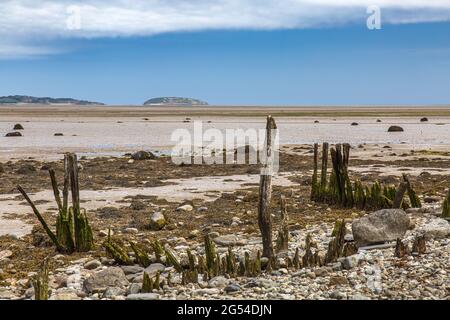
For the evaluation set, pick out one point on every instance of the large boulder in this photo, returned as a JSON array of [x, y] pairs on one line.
[[100, 281], [436, 229], [142, 155], [380, 226], [395, 129], [13, 134]]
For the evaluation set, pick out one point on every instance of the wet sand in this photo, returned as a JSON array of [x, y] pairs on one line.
[[112, 131]]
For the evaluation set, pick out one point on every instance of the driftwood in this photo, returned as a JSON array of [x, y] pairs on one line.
[[265, 191], [400, 193]]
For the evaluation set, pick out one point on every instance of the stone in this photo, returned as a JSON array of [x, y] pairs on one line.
[[131, 230], [58, 134], [110, 277], [65, 294], [229, 240], [157, 221], [435, 229], [395, 129], [338, 280], [424, 119], [143, 155], [143, 296], [154, 268], [193, 234], [351, 262], [358, 296], [105, 232], [380, 226], [336, 294], [205, 291], [18, 126], [112, 292], [232, 287], [13, 134], [218, 282], [135, 288], [186, 208], [6, 294], [5, 254], [93, 264], [132, 269], [26, 169], [320, 272]]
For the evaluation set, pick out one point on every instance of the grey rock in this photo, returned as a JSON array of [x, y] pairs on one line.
[[143, 296], [157, 221], [5, 254], [436, 229], [359, 296], [351, 262], [112, 292], [142, 155], [134, 288], [218, 282], [232, 287], [132, 269], [336, 294], [110, 277], [93, 264], [65, 294], [154, 268], [186, 208], [229, 240], [380, 226]]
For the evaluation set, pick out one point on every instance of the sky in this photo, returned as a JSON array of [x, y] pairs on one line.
[[228, 52]]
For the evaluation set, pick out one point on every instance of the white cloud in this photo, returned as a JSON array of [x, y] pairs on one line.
[[24, 20]]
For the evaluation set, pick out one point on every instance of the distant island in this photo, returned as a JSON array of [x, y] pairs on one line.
[[44, 100], [174, 101]]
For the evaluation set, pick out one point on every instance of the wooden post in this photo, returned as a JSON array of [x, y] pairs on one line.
[[315, 183], [399, 194], [323, 173], [265, 191], [283, 232], [413, 198], [40, 282], [446, 207]]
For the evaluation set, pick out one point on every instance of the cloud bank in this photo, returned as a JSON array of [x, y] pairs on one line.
[[26, 23]]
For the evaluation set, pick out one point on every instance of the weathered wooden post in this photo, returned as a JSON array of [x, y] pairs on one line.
[[40, 282], [265, 190], [413, 198], [315, 183], [446, 207], [283, 232], [399, 194], [323, 173]]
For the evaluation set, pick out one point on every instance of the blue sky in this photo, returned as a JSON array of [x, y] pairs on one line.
[[317, 65]]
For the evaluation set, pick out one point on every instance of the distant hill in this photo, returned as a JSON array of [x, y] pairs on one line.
[[44, 100], [175, 101]]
